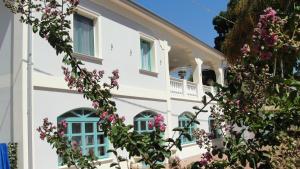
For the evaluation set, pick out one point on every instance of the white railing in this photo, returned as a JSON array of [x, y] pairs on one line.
[[207, 88], [184, 88], [192, 89], [177, 86]]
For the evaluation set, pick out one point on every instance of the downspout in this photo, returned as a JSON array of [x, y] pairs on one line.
[[29, 94]]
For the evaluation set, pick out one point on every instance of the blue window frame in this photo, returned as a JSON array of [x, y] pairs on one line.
[[183, 121], [83, 128], [141, 121], [83, 35], [146, 55], [217, 132]]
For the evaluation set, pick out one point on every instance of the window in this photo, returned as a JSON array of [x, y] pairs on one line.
[[217, 133], [84, 35], [83, 129], [183, 121], [147, 55], [141, 121]]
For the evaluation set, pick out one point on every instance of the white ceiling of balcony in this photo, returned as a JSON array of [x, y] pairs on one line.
[[180, 57]]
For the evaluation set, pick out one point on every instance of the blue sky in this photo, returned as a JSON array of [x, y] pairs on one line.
[[193, 16]]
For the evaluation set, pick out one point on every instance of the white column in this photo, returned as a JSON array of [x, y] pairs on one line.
[[219, 70], [197, 76]]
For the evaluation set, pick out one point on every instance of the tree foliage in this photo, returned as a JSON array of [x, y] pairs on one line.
[[244, 15]]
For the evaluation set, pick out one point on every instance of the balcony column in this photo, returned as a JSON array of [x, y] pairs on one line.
[[197, 77], [166, 48], [219, 70]]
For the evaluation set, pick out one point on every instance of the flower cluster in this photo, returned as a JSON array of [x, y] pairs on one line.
[[205, 159], [245, 50], [46, 128], [158, 123], [266, 34], [114, 79]]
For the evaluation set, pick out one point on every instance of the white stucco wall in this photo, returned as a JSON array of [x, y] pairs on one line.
[[6, 19], [52, 104]]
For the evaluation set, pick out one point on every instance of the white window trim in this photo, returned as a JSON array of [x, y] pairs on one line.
[[152, 40], [96, 17]]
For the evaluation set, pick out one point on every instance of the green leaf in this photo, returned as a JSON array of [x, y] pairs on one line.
[[178, 129], [178, 144], [210, 94], [277, 88], [34, 28], [112, 151], [113, 164], [196, 108], [204, 99], [170, 140]]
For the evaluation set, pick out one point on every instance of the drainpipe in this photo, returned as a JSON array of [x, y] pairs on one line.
[[29, 95]]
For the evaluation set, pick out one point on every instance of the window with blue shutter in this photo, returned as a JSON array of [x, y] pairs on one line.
[[217, 132], [83, 129], [183, 120], [146, 55], [83, 35], [141, 121]]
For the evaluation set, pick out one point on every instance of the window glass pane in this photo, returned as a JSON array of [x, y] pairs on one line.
[[76, 139], [83, 35], [100, 139], [76, 128], [143, 125], [101, 151], [183, 123], [89, 140], [89, 127], [90, 151], [136, 125]]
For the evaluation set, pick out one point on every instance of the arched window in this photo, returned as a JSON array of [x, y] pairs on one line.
[[217, 133], [141, 121], [83, 129], [183, 120]]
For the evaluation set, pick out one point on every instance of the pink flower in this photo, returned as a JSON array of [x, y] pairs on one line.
[[63, 124], [111, 118], [103, 115], [162, 128], [203, 162], [265, 55], [150, 124], [95, 104], [158, 120], [245, 49], [42, 135]]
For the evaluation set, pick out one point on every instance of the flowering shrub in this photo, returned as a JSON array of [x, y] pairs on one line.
[[69, 152], [158, 123], [258, 112]]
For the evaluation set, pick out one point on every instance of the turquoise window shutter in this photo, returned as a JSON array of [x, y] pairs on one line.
[[146, 55], [215, 131], [83, 128], [183, 121], [83, 35], [141, 121]]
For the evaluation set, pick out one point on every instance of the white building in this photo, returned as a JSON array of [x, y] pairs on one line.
[[146, 49]]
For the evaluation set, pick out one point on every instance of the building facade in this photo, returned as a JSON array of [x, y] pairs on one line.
[[149, 53]]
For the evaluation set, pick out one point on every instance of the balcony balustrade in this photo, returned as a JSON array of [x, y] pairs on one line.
[[187, 89]]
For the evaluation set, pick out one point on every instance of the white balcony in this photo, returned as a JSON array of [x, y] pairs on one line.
[[186, 89], [183, 88]]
